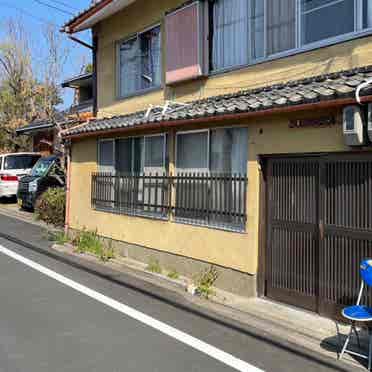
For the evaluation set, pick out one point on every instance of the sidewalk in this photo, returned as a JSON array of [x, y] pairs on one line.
[[292, 328]]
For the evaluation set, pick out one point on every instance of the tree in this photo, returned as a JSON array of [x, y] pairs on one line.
[[29, 89], [17, 101]]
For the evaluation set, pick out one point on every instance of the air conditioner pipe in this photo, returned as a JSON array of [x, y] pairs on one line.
[[360, 87]]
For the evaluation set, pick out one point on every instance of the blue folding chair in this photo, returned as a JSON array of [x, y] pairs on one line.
[[360, 313]]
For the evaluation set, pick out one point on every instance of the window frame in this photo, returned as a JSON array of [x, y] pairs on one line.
[[119, 43], [195, 131], [209, 130], [359, 32], [114, 139]]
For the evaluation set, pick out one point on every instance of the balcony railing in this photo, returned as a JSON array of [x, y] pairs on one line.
[[215, 200]]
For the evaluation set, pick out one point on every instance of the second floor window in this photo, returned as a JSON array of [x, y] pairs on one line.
[[245, 31], [140, 63]]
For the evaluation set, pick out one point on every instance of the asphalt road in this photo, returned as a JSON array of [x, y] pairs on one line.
[[51, 319]]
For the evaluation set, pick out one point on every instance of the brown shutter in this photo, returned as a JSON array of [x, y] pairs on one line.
[[184, 35]]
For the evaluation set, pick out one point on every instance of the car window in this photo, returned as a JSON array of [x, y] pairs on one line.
[[20, 161], [41, 168], [1, 163]]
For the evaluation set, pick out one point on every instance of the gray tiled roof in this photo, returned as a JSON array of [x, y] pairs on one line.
[[310, 90]]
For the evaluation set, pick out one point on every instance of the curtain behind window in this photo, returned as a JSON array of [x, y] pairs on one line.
[[367, 11], [129, 67], [257, 24], [281, 25], [230, 33], [229, 150]]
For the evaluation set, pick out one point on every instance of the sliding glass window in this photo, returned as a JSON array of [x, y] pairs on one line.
[[133, 155], [324, 19], [246, 31]]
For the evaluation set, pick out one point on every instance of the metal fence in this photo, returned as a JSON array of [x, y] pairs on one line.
[[215, 200], [132, 194]]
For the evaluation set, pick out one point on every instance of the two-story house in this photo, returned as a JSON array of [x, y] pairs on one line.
[[223, 137]]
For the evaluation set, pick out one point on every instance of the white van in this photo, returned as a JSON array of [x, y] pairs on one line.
[[12, 168]]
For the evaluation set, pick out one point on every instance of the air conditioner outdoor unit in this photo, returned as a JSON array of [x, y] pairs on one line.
[[369, 127], [353, 126]]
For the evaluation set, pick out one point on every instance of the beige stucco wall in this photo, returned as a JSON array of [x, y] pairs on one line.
[[269, 135], [144, 13], [237, 251]]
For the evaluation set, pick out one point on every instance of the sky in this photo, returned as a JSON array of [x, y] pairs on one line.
[[35, 15]]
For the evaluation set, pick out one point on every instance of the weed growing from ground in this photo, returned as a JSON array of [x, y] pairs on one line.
[[59, 237], [205, 280], [154, 266], [173, 274]]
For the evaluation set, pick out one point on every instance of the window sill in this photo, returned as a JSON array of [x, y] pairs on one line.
[[306, 48], [140, 93], [218, 226]]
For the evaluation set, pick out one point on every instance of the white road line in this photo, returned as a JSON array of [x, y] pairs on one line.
[[170, 331]]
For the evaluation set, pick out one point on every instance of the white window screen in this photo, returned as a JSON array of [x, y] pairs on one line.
[[106, 156], [323, 19], [192, 152], [281, 25], [230, 33], [130, 64]]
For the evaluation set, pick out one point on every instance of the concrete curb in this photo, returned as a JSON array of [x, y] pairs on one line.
[[184, 302]]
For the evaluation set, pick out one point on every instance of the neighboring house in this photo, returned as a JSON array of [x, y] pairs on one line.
[[45, 133], [82, 106], [219, 140]]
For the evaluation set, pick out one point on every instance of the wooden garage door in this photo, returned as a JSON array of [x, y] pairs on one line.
[[319, 229]]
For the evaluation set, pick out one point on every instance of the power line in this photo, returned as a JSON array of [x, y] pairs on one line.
[[54, 7], [66, 5], [25, 12]]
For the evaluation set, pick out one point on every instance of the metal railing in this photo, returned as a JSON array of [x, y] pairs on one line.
[[132, 194], [215, 200]]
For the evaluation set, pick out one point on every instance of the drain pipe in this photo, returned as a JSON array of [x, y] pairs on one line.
[[360, 87], [68, 185]]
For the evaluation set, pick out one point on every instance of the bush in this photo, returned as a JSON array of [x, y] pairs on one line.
[[51, 205]]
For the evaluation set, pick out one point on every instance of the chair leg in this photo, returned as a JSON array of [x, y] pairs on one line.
[[346, 343], [356, 334]]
